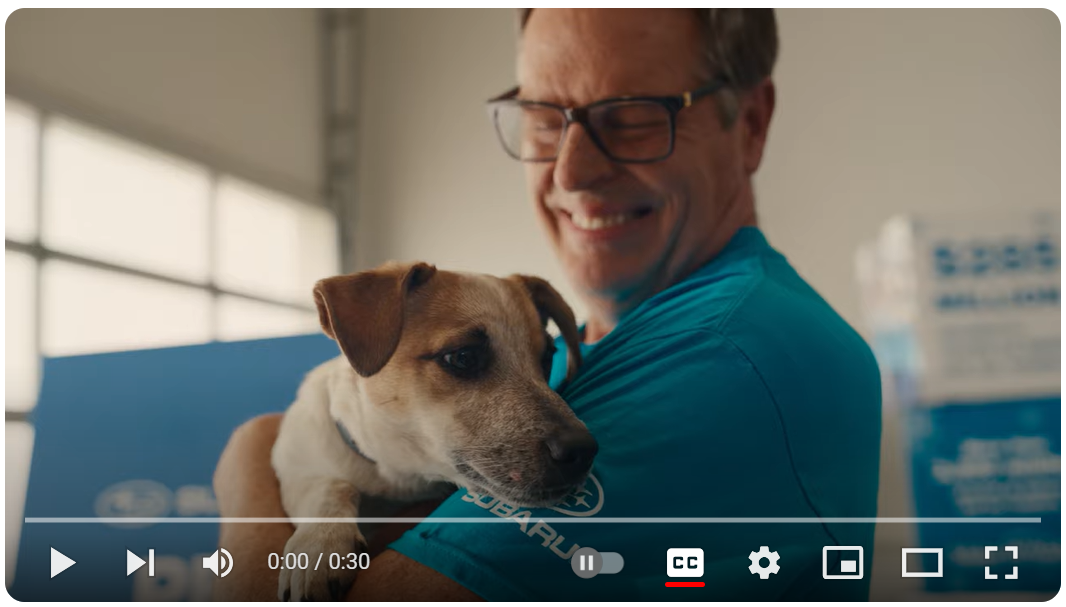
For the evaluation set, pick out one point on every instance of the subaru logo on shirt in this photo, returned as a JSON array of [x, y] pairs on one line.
[[585, 500]]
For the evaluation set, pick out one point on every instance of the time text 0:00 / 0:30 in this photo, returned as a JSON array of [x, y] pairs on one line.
[[300, 560]]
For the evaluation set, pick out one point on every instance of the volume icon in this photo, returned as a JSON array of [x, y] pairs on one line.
[[217, 561]]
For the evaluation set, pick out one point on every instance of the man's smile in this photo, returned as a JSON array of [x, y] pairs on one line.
[[602, 225]]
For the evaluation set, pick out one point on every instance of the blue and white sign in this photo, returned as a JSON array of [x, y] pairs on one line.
[[990, 460], [965, 313], [138, 434]]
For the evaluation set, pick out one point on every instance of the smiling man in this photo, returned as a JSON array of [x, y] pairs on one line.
[[627, 230], [716, 381]]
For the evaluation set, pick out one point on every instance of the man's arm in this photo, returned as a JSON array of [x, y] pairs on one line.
[[246, 486], [395, 577]]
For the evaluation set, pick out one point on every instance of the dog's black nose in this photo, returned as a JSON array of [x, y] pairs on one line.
[[572, 451]]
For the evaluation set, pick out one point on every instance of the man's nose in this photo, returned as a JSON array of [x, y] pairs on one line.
[[580, 164]]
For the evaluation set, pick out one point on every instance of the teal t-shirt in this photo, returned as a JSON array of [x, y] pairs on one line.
[[736, 393]]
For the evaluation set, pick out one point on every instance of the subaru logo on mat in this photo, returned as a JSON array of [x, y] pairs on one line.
[[134, 498], [586, 500]]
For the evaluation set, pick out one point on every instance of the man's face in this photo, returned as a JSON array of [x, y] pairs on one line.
[[624, 231]]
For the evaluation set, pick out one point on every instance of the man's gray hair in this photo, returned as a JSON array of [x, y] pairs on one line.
[[739, 43]]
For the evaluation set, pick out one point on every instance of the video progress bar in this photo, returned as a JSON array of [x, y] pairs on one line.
[[149, 520]]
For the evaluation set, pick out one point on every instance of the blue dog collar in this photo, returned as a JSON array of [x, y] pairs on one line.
[[348, 440]]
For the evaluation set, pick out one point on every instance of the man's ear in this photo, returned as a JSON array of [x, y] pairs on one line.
[[757, 108], [364, 312], [552, 305]]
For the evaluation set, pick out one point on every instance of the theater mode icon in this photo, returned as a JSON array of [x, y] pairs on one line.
[[939, 552]]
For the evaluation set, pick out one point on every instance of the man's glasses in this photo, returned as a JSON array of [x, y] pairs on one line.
[[625, 129]]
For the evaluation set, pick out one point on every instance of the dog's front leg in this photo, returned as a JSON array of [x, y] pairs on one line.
[[320, 498]]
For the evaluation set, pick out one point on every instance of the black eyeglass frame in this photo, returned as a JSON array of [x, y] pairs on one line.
[[580, 115]]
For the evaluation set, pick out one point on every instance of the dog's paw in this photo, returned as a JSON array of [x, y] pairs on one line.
[[320, 583]]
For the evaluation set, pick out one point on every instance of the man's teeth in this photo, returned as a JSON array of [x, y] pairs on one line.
[[600, 222]]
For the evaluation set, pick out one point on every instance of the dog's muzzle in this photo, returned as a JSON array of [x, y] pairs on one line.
[[570, 455]]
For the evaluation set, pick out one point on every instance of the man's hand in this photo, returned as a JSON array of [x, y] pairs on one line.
[[246, 486]]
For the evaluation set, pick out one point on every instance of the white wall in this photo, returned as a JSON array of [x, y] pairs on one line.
[[879, 112], [889, 111], [240, 89], [434, 183]]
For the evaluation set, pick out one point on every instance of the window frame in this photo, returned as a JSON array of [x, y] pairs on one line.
[[217, 169]]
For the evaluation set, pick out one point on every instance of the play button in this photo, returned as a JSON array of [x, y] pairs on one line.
[[60, 562], [133, 562]]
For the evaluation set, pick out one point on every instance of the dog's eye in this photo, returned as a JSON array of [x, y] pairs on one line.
[[547, 358], [463, 362]]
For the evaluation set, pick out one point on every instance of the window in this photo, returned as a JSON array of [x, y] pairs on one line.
[[267, 244], [108, 199], [21, 131], [113, 245]]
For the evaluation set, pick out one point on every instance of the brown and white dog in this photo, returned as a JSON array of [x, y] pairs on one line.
[[443, 381]]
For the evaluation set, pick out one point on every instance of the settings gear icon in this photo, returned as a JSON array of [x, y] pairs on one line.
[[757, 557]]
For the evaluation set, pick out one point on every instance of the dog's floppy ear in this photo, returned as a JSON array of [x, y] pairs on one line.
[[552, 305], [364, 312]]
